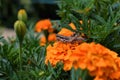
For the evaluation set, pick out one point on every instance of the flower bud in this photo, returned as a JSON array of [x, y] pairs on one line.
[[20, 29], [22, 15]]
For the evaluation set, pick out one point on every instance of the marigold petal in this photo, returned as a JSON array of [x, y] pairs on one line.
[[65, 32]]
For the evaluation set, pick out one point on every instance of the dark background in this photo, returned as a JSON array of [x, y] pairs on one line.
[[36, 9]]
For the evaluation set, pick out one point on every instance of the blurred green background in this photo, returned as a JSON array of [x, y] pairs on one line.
[[36, 9]]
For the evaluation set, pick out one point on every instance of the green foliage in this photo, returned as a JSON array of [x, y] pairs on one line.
[[80, 74], [33, 59], [100, 19]]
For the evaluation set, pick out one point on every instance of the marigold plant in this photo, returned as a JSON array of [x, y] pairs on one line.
[[97, 59], [83, 44]]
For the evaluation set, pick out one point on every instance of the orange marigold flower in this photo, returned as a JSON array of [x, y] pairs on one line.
[[97, 59], [60, 52], [101, 63], [42, 41], [115, 75], [43, 25], [51, 37], [65, 32]]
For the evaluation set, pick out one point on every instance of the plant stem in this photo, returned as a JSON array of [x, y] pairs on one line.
[[46, 33], [20, 59]]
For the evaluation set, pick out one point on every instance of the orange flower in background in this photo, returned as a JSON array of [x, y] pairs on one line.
[[50, 30], [47, 26], [81, 22], [52, 37], [43, 41], [101, 63], [73, 26], [43, 25]]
